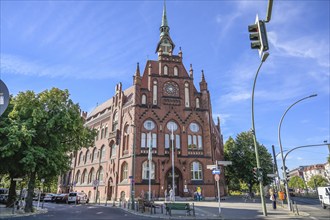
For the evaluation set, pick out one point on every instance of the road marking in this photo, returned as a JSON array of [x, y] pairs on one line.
[[99, 213]]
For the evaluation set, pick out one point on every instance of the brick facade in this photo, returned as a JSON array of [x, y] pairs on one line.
[[141, 116]]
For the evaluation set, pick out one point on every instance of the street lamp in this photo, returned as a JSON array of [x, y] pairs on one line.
[[150, 163], [263, 59], [280, 143], [173, 184]]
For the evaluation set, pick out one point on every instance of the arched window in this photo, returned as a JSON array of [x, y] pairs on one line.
[[113, 151], [126, 140], [80, 158], [145, 170], [124, 172], [87, 156], [84, 177], [197, 103], [154, 93], [176, 71], [115, 121], [78, 176], [144, 99], [91, 176], [165, 70], [172, 135], [94, 154], [100, 174], [196, 171], [195, 137], [186, 95], [149, 134], [102, 152]]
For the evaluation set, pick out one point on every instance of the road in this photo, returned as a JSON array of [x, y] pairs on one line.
[[313, 207]]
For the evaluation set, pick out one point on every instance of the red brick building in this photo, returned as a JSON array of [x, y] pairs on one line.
[[161, 110]]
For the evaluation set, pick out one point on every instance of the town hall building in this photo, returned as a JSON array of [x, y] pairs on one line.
[[161, 120]]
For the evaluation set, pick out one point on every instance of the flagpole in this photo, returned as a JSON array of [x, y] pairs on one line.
[[150, 158], [173, 184]]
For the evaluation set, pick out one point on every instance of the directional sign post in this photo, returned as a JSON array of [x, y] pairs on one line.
[[216, 172], [4, 97]]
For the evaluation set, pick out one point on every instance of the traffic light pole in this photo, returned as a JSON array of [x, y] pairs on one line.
[[264, 210], [280, 143]]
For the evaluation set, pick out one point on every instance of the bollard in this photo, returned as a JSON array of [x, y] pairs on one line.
[[113, 203], [162, 205], [106, 202], [292, 206]]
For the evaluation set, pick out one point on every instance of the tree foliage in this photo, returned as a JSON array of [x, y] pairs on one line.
[[316, 181], [42, 130], [296, 182], [241, 152]]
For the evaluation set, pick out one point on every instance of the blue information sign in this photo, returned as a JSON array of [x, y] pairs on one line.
[[215, 172]]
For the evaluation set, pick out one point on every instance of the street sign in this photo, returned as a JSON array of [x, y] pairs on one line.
[[4, 97], [217, 177], [272, 175], [130, 177], [211, 167], [216, 172], [17, 179], [225, 163]]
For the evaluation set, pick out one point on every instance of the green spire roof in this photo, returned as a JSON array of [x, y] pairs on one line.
[[164, 18]]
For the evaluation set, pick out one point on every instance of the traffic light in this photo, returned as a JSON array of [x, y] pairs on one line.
[[258, 36], [260, 172], [287, 176], [255, 173]]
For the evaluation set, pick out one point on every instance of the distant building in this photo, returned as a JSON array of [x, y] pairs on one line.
[[316, 169], [161, 110]]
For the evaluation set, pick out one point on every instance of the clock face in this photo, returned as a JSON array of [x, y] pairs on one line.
[[171, 89]]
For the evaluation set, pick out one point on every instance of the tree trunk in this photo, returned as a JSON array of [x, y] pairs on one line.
[[12, 192], [29, 198]]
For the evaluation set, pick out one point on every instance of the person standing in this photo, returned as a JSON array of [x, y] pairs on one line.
[[273, 199]]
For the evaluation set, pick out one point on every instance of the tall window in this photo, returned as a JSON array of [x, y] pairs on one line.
[[94, 154], [102, 152], [100, 174], [126, 139], [165, 70], [146, 171], [176, 71], [154, 93], [197, 103], [186, 95], [175, 138], [91, 176], [113, 150], [124, 172], [144, 99], [78, 177], [87, 156], [195, 140], [97, 134], [196, 171], [149, 134], [106, 131], [80, 158], [84, 177], [114, 121]]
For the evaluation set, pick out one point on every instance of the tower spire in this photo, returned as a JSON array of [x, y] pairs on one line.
[[165, 45]]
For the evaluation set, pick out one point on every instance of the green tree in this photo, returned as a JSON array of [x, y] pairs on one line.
[[316, 181], [296, 182], [43, 129], [242, 154]]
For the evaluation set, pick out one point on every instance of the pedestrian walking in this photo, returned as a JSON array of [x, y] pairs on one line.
[[273, 199]]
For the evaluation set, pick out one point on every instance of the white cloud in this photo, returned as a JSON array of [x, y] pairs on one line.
[[226, 22]]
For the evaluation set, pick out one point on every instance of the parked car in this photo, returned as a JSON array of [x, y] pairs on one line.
[[3, 198], [61, 198], [36, 196], [77, 197], [49, 197]]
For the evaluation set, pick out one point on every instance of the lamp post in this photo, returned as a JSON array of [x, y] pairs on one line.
[[133, 170], [173, 184], [281, 149], [98, 177], [263, 59]]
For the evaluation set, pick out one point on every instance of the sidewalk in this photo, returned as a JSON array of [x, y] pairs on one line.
[[8, 212], [231, 208]]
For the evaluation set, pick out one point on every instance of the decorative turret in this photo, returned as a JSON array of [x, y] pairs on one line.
[[137, 76], [191, 72], [165, 45], [203, 84]]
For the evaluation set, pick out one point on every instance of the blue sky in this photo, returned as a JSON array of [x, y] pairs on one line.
[[90, 46]]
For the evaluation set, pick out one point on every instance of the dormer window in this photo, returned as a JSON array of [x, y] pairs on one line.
[[165, 70], [176, 71]]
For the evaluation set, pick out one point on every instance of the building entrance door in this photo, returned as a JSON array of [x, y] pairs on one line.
[[177, 183]]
